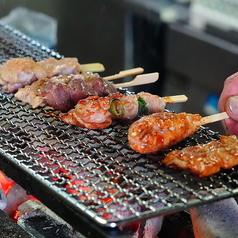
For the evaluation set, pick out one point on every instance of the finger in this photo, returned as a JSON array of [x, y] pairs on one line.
[[231, 127], [232, 108], [230, 89]]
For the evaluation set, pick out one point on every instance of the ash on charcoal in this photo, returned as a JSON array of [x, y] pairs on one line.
[[215, 219], [14, 198], [3, 199], [41, 222]]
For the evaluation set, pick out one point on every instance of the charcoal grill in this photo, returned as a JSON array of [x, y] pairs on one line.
[[91, 177]]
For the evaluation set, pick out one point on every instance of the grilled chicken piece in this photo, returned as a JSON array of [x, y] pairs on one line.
[[18, 72], [160, 130], [91, 113], [98, 112], [154, 103], [31, 93], [206, 159], [54, 67]]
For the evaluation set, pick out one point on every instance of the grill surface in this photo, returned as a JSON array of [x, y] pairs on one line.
[[94, 172]]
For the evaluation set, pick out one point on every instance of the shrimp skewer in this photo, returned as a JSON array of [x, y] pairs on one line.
[[160, 130], [98, 112]]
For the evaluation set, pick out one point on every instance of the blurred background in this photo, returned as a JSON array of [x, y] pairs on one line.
[[192, 44]]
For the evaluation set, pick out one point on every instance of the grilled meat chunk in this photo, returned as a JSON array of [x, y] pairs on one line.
[[160, 130], [54, 67], [206, 159], [63, 92], [101, 86], [18, 72]]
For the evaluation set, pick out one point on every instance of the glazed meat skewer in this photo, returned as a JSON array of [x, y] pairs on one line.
[[160, 130], [206, 159], [99, 112]]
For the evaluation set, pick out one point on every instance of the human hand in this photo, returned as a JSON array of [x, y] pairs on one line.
[[228, 102]]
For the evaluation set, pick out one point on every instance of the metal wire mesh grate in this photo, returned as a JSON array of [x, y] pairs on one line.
[[95, 171]]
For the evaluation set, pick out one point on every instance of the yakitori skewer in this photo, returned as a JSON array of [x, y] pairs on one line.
[[125, 73], [160, 130], [205, 159], [99, 112], [63, 92]]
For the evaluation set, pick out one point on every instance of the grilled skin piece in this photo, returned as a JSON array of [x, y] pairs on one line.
[[160, 130], [91, 113], [18, 72], [206, 159], [94, 112], [54, 67]]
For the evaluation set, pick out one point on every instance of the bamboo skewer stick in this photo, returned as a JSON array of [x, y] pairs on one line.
[[93, 67], [175, 99], [214, 118], [125, 73], [140, 80]]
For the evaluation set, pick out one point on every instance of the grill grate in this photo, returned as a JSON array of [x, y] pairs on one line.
[[94, 171]]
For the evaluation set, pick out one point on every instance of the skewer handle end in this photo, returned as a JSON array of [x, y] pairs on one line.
[[175, 99], [214, 118]]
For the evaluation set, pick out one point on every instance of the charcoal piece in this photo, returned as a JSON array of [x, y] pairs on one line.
[[40, 225], [41, 222], [215, 219], [10, 229]]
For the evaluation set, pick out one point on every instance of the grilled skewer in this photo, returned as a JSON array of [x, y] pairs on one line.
[[206, 159], [99, 112], [160, 130], [64, 91], [18, 72]]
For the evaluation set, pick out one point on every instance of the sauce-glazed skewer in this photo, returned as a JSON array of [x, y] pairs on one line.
[[160, 130]]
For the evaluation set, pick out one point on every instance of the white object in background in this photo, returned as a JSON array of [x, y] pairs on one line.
[[36, 25], [220, 13]]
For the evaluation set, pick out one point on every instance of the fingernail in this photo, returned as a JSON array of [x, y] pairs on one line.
[[233, 104]]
